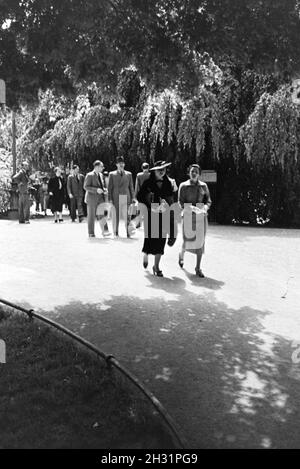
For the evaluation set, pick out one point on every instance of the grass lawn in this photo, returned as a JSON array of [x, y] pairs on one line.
[[55, 394]]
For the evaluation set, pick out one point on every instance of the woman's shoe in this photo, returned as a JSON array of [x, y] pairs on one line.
[[145, 262], [199, 273], [180, 261], [61, 220], [157, 272]]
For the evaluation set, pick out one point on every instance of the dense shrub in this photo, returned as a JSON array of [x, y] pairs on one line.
[[5, 173]]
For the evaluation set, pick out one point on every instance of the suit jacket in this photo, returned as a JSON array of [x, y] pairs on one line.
[[23, 181], [75, 185], [91, 185], [140, 179], [120, 185]]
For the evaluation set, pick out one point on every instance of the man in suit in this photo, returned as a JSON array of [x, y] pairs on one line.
[[120, 194], [95, 196], [140, 179], [75, 191], [22, 178]]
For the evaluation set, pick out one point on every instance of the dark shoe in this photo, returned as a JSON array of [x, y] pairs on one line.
[[22, 222], [199, 273], [55, 221], [60, 221], [180, 261], [92, 236], [157, 272], [73, 221], [145, 261], [171, 241], [81, 219]]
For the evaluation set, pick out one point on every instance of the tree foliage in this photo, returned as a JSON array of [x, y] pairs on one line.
[[185, 80], [66, 44], [271, 134]]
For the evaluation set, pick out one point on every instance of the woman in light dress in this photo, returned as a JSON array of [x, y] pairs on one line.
[[194, 199]]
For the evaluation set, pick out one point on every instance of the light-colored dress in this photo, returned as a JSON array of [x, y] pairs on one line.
[[194, 225]]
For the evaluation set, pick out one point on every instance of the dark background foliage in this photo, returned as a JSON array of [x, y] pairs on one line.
[[159, 79]]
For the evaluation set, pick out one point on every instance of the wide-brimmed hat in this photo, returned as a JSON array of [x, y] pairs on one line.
[[160, 165]]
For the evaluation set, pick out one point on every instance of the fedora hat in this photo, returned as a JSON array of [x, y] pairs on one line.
[[160, 165]]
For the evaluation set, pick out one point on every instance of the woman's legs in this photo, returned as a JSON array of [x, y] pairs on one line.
[[198, 270], [145, 260], [157, 258], [198, 261]]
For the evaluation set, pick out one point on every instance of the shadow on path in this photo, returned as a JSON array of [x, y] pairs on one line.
[[227, 382]]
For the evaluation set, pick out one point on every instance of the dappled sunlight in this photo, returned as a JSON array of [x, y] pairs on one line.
[[226, 380]]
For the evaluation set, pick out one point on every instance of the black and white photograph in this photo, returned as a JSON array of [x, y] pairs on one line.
[[149, 227]]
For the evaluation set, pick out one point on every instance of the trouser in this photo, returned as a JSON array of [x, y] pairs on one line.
[[92, 215], [76, 204], [24, 208], [121, 211], [44, 202], [37, 204]]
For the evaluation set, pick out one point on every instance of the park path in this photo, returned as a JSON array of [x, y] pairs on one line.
[[217, 352]]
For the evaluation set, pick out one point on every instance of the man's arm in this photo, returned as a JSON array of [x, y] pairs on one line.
[[131, 188], [50, 186], [137, 186], [69, 188], [181, 196], [110, 187]]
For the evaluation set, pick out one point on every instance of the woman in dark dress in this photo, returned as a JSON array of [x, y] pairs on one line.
[[194, 199], [156, 195], [56, 188]]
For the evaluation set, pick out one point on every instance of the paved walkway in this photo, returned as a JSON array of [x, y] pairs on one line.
[[217, 352]]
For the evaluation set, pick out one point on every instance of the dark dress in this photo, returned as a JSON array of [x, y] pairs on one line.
[[57, 187], [156, 230]]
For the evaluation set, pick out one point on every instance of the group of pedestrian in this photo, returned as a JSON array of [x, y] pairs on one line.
[[155, 201], [46, 193]]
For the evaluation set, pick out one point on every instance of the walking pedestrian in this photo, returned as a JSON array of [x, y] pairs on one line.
[[121, 195], [156, 195], [95, 198], [194, 199], [57, 192], [75, 192], [140, 179], [44, 195], [22, 178], [37, 193]]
